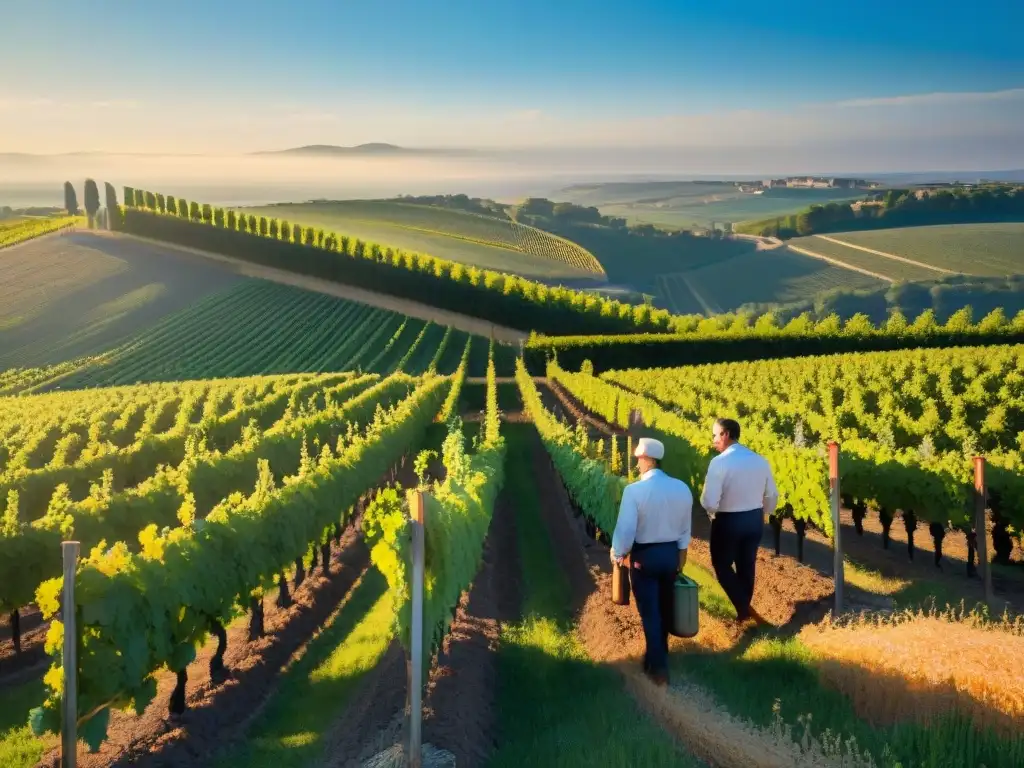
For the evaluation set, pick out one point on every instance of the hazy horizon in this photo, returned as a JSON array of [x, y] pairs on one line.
[[255, 180], [732, 87]]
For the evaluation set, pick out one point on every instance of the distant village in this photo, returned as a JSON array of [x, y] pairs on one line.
[[805, 182]]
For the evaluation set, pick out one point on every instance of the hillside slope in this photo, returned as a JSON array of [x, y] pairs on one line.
[[490, 242]]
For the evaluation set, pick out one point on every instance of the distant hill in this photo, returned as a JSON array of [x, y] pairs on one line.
[[457, 228], [373, 148]]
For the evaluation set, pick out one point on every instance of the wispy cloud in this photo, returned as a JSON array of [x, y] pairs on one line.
[[937, 99], [51, 105], [116, 104]]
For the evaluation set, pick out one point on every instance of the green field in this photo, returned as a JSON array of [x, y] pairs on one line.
[[683, 204], [258, 327], [974, 249], [18, 229], [757, 277], [468, 238], [65, 297], [890, 268]]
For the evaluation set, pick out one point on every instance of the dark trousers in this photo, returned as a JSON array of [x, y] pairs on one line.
[[735, 537], [652, 576]]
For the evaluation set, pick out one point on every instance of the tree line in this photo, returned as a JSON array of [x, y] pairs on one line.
[[520, 303], [91, 199], [501, 298], [899, 208]]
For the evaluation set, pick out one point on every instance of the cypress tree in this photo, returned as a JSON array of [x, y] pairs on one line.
[[253, 225], [161, 203], [243, 223], [232, 221], [263, 226], [310, 235], [193, 211], [70, 199], [129, 197], [172, 205], [92, 201], [182, 208], [207, 213], [114, 220], [273, 229], [286, 232], [151, 201], [218, 217]]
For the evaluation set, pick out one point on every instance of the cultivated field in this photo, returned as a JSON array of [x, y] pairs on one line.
[[683, 204], [482, 241], [891, 269], [18, 229], [67, 296], [756, 277], [259, 327], [244, 461], [974, 249]]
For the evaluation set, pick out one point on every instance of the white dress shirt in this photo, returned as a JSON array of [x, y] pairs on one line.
[[656, 508], [739, 480]]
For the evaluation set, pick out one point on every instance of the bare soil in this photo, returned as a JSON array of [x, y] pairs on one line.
[[567, 403], [220, 712], [374, 717], [16, 668], [895, 562], [460, 714]]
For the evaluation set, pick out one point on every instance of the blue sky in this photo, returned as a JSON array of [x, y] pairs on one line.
[[227, 75]]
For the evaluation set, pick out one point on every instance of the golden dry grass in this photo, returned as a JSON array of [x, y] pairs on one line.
[[920, 666], [720, 738]]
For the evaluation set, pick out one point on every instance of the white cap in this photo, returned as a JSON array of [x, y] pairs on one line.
[[649, 447]]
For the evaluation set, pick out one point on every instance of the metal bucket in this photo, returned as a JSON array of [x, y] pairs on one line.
[[685, 608]]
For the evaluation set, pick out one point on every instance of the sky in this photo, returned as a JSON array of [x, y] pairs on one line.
[[858, 79]]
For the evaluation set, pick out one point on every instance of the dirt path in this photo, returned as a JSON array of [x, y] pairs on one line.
[[393, 303], [883, 254], [612, 634], [838, 263], [762, 243]]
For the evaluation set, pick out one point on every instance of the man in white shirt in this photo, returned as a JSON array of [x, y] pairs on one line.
[[653, 528], [738, 492]]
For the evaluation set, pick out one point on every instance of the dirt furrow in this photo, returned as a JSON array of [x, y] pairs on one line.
[[612, 634], [16, 668], [460, 713], [218, 713]]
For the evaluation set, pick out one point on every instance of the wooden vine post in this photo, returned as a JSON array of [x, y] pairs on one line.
[[980, 504], [69, 703], [838, 573], [416, 513]]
